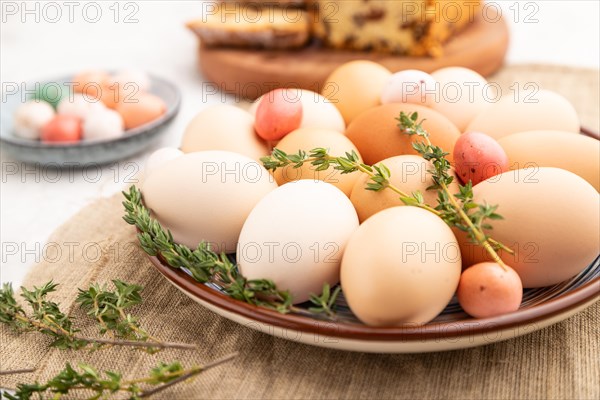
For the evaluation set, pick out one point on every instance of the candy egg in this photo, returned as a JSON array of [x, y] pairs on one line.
[[30, 117], [91, 83], [224, 127], [317, 111], [161, 157], [136, 78], [487, 290], [78, 105], [300, 250], [144, 108], [62, 129], [409, 86], [478, 157], [278, 113], [355, 87], [50, 92], [543, 110], [103, 124], [112, 95], [461, 95], [124, 86]]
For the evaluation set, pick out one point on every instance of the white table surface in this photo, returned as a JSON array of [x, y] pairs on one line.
[[33, 204]]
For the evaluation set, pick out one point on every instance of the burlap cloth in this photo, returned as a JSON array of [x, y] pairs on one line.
[[561, 361]]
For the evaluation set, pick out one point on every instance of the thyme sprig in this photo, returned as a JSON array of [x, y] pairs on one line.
[[108, 308], [88, 379], [457, 210], [47, 318], [206, 266], [466, 216], [379, 175]]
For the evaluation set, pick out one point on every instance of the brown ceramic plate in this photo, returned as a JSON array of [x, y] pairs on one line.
[[452, 329]]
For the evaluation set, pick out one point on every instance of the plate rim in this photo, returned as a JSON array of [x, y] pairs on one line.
[[432, 331]]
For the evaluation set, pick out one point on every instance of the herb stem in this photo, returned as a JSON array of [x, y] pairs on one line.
[[59, 329], [17, 371], [132, 343], [101, 320], [395, 189], [186, 375], [479, 236], [136, 329]]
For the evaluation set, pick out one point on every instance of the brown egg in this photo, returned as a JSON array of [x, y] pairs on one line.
[[551, 220], [307, 139], [573, 152], [355, 87], [377, 136], [408, 173], [144, 108], [401, 266], [92, 83]]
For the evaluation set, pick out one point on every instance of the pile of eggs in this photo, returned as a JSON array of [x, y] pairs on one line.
[[396, 264], [101, 106]]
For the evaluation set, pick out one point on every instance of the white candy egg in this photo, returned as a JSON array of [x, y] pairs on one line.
[[317, 111], [409, 86], [461, 95], [136, 77], [78, 105], [103, 124], [161, 157], [296, 236], [30, 117]]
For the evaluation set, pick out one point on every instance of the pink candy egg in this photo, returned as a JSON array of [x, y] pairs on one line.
[[278, 113], [486, 290], [478, 157]]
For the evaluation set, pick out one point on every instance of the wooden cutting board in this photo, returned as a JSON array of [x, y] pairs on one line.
[[250, 73]]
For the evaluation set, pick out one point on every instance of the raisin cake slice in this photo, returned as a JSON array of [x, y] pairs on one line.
[[240, 25], [406, 27]]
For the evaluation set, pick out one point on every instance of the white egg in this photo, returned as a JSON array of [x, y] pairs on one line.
[[296, 236], [206, 196], [461, 95], [30, 117], [78, 105], [138, 78], [409, 86], [103, 124], [160, 157], [529, 111], [317, 111]]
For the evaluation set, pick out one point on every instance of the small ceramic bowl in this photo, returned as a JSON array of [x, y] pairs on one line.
[[87, 152]]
